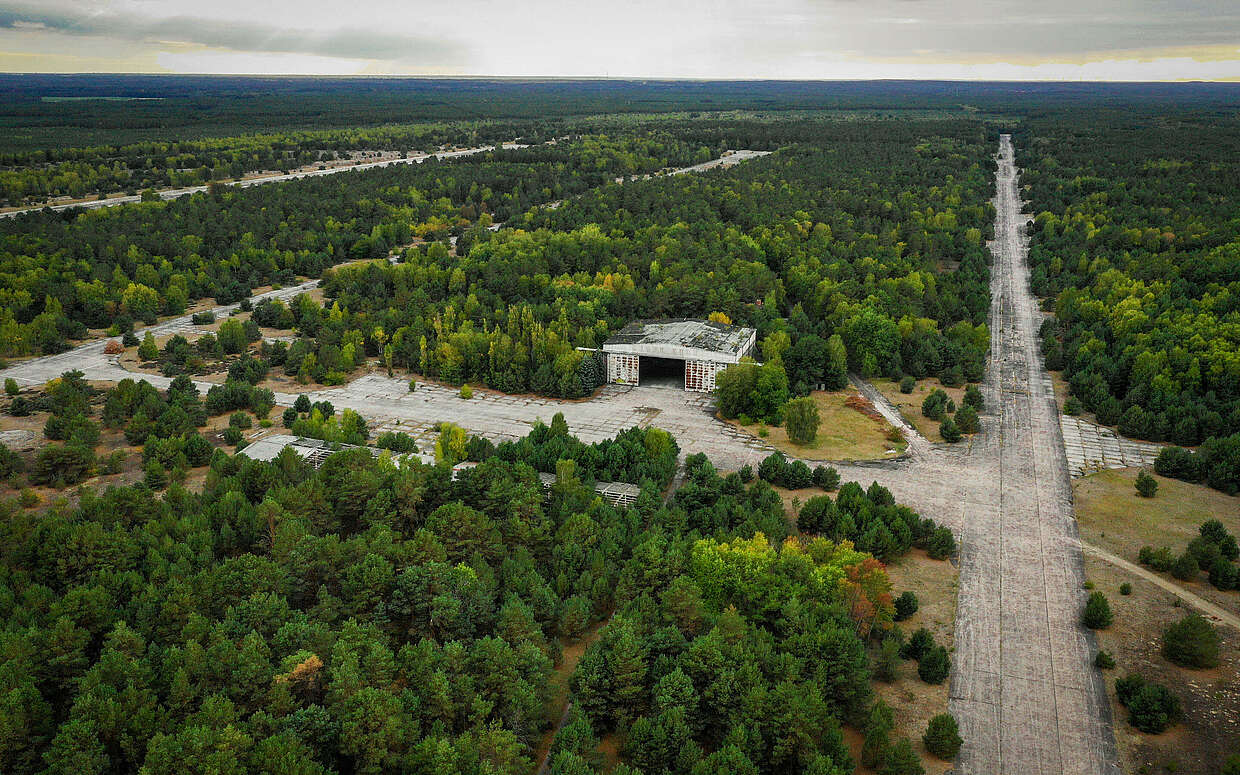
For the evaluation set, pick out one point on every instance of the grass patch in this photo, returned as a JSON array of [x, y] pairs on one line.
[[1111, 514], [844, 433], [909, 404]]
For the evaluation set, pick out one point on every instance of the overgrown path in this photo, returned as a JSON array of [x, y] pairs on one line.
[[1023, 686], [90, 358], [258, 180]]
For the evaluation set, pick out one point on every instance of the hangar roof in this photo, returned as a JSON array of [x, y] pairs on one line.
[[683, 338]]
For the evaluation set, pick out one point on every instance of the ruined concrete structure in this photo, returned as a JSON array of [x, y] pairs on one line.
[[316, 451], [700, 349]]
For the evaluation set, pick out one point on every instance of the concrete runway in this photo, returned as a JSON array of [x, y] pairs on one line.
[[1023, 687]]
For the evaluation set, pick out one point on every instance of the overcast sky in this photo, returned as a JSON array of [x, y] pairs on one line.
[[985, 39]]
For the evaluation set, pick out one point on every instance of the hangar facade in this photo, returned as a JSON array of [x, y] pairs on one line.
[[696, 349]]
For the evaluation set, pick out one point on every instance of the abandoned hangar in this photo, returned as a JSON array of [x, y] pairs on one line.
[[695, 350]]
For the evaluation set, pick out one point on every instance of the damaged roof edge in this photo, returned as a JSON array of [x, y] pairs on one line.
[[703, 335]]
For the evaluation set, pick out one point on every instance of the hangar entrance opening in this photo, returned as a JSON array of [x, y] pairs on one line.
[[661, 372], [685, 353]]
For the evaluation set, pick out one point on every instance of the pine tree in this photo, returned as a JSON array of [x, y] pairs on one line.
[[942, 737], [934, 666], [148, 350], [1097, 614], [627, 663]]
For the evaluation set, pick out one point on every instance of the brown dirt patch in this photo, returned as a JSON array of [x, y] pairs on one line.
[[1210, 698]]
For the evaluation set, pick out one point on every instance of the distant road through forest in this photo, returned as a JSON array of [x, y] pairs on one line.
[[173, 193]]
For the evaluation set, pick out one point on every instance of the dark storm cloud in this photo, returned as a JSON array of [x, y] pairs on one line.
[[351, 43]]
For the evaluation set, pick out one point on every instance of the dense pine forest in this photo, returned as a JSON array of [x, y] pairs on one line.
[[376, 617], [872, 231], [1136, 243], [480, 609], [875, 235], [63, 272]]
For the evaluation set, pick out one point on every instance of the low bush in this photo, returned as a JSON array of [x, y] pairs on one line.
[[1213, 531], [949, 431], [1146, 485], [941, 544], [934, 666], [155, 476], [935, 405], [1158, 559], [967, 420], [973, 397], [918, 644], [825, 477], [1223, 574], [1151, 707], [1185, 567], [58, 466], [1178, 463]]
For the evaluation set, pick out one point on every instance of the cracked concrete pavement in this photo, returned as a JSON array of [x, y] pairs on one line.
[[1022, 687]]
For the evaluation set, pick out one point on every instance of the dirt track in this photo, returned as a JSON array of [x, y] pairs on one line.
[[1205, 607]]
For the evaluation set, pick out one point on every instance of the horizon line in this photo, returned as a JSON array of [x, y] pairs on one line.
[[621, 78]]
